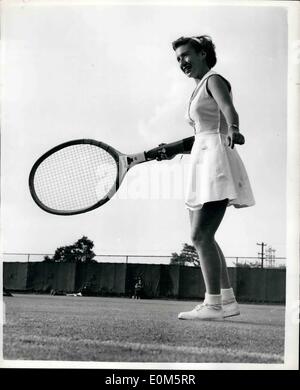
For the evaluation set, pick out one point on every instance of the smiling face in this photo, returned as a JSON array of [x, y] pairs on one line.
[[191, 62]]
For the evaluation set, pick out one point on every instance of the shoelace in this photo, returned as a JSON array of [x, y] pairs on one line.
[[202, 305], [199, 307]]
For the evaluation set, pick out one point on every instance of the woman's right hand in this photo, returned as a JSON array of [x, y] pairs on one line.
[[162, 154]]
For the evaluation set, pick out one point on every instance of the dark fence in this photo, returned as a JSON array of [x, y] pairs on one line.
[[159, 281], [101, 278]]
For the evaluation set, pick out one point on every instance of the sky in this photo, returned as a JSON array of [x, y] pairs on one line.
[[108, 72]]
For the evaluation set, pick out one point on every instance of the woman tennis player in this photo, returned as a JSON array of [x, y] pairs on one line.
[[217, 177]]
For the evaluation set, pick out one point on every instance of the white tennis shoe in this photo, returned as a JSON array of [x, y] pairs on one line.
[[230, 308], [203, 312], [212, 312]]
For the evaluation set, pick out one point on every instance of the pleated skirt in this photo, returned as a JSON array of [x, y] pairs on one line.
[[216, 172]]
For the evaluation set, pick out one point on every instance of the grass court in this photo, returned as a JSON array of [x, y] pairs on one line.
[[98, 329]]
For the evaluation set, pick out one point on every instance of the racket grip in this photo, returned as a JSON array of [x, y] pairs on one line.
[[179, 147]]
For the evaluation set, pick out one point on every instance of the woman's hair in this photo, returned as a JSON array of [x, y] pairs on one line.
[[203, 42]]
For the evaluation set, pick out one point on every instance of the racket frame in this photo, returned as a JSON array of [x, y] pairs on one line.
[[122, 168]]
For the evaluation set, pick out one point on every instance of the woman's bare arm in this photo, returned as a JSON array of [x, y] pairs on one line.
[[220, 92]]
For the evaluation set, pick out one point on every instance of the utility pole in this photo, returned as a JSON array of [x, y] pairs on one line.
[[270, 257], [273, 258], [261, 254]]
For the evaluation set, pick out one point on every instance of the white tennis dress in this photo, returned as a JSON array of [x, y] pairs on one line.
[[216, 171]]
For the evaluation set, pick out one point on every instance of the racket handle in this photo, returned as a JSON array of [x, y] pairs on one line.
[[179, 147]]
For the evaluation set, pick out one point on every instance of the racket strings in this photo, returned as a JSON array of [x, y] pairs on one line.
[[75, 177]]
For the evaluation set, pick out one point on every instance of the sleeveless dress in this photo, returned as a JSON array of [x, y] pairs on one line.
[[216, 171]]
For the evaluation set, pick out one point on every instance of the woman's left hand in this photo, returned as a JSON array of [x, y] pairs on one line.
[[235, 137]]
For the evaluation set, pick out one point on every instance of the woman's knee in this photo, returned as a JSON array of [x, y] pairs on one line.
[[200, 238]]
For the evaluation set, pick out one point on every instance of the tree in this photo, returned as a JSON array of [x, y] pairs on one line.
[[282, 266], [247, 264], [79, 252], [242, 265], [188, 256]]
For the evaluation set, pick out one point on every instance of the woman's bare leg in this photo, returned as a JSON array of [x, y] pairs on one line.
[[224, 279], [204, 224], [225, 282]]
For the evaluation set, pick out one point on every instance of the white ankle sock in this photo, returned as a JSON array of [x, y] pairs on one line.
[[227, 294], [213, 299]]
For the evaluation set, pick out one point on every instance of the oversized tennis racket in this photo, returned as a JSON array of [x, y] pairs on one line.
[[81, 175]]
